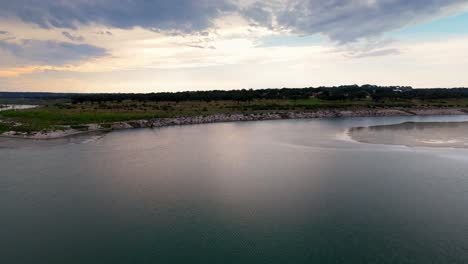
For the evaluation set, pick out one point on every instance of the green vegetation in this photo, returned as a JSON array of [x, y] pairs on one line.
[[4, 128], [61, 111], [340, 93], [75, 115]]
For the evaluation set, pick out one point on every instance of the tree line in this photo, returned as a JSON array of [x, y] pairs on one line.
[[336, 93], [346, 92]]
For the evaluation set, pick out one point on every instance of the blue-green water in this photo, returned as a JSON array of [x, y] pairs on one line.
[[257, 192]]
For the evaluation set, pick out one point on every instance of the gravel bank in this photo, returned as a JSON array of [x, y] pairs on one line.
[[218, 118]]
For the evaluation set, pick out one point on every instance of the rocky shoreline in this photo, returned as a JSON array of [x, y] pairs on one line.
[[218, 118]]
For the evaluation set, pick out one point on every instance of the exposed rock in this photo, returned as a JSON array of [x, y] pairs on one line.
[[217, 118]]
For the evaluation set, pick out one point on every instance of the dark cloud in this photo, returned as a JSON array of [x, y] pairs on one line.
[[341, 20], [108, 33], [5, 35], [182, 15], [346, 20], [72, 37], [51, 52], [261, 13]]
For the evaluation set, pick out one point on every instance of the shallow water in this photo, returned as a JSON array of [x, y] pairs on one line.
[[289, 191], [426, 134], [10, 107]]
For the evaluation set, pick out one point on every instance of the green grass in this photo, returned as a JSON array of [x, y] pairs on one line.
[[56, 116], [3, 128]]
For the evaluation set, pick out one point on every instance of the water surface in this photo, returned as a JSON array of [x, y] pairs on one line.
[[428, 134], [295, 191], [4, 107]]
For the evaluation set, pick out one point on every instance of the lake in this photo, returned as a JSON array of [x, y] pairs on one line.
[[11, 107], [287, 191]]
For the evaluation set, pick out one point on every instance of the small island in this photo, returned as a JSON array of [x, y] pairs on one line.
[[57, 115]]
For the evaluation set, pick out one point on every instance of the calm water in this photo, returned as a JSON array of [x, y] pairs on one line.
[[260, 192], [10, 107], [426, 134]]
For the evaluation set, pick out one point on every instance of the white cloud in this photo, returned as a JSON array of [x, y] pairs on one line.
[[224, 52]]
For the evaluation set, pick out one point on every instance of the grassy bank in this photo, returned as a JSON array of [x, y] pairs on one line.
[[57, 116]]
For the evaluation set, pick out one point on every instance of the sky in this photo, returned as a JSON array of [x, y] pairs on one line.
[[178, 45]]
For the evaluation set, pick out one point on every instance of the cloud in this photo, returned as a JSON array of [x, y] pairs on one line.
[[5, 35], [104, 33], [377, 53], [346, 20], [51, 52], [260, 12], [341, 20], [369, 47], [183, 15], [13, 72], [72, 37]]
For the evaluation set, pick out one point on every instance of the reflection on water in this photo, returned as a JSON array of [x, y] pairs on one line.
[[273, 192], [18, 107], [427, 134]]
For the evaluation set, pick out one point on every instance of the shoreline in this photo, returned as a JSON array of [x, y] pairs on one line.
[[5, 107], [235, 117]]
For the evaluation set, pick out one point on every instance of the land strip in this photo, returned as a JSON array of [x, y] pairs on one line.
[[61, 120]]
